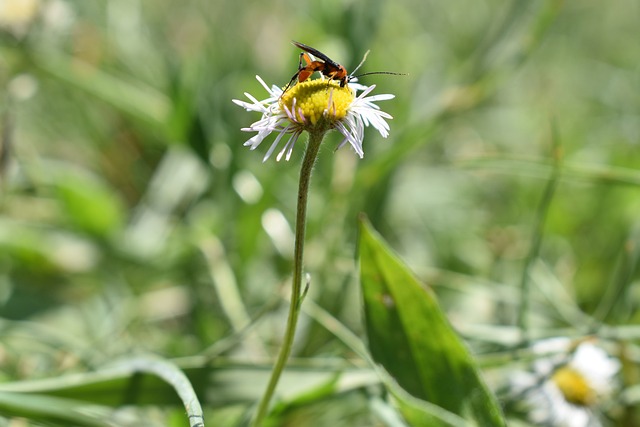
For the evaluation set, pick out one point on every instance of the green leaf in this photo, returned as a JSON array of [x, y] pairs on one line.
[[89, 202], [51, 409], [138, 382], [410, 336], [419, 413], [129, 96]]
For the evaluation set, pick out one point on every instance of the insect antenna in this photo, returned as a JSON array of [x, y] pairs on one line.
[[364, 58], [379, 72]]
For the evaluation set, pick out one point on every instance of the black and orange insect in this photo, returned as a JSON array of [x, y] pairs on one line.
[[324, 65]]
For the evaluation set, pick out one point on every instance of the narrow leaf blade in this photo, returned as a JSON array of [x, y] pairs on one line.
[[410, 336]]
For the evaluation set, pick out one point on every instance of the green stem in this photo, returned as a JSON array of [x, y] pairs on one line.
[[310, 156], [536, 239]]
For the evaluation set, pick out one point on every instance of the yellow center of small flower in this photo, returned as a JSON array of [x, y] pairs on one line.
[[574, 387], [316, 99]]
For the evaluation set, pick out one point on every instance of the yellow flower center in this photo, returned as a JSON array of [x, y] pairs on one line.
[[574, 387], [315, 99]]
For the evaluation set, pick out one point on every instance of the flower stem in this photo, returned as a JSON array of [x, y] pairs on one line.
[[536, 238], [310, 156]]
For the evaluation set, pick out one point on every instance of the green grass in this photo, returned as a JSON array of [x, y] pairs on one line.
[[134, 222]]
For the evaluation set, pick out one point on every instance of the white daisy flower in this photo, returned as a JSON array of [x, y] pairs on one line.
[[315, 106], [566, 384]]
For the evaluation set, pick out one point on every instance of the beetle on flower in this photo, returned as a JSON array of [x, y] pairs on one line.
[[315, 106]]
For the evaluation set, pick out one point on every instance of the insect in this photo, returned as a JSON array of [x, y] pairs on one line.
[[326, 66]]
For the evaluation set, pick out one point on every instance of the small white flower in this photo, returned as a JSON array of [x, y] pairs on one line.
[[565, 386], [312, 106]]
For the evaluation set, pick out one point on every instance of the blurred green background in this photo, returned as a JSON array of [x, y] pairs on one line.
[[133, 220]]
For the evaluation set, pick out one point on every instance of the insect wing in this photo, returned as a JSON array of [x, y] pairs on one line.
[[317, 53]]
